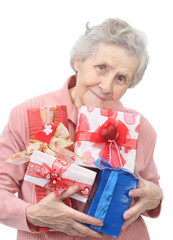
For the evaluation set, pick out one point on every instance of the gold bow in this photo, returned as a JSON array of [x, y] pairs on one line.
[[56, 147]]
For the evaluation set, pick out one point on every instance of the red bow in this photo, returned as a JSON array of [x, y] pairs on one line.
[[54, 176], [113, 134]]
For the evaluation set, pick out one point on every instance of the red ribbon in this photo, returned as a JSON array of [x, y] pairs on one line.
[[56, 182], [114, 135]]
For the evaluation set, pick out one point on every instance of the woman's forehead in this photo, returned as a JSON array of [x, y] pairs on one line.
[[113, 55]]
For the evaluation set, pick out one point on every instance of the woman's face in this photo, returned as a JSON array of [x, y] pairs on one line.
[[104, 77]]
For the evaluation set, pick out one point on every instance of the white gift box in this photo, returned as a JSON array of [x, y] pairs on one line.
[[43, 170], [88, 131]]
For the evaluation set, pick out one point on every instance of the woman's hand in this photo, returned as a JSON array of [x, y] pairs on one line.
[[147, 197], [51, 212]]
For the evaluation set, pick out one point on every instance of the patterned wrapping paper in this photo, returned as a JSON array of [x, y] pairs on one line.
[[57, 175], [109, 134]]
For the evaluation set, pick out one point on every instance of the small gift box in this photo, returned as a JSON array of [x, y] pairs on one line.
[[48, 129], [57, 175], [108, 134], [111, 198]]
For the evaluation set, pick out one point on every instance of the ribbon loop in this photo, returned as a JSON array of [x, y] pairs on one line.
[[102, 164]]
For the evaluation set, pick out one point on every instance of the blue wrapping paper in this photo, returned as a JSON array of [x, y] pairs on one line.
[[111, 198]]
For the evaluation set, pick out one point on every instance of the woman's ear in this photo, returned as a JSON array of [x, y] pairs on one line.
[[76, 63]]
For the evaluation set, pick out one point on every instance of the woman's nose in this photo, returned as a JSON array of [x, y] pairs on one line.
[[106, 85]]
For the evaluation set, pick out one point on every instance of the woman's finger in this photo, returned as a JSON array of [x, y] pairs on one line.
[[69, 192], [129, 221], [70, 231], [139, 192], [135, 210], [85, 231], [84, 218], [76, 215]]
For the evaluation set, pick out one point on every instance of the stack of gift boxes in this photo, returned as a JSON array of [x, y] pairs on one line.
[[104, 140], [108, 141]]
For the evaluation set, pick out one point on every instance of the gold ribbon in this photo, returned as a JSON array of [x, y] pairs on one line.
[[56, 147]]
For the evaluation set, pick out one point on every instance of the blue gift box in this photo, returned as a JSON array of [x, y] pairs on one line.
[[111, 199]]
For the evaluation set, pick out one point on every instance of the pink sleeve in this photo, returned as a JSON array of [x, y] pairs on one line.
[[145, 164], [12, 208]]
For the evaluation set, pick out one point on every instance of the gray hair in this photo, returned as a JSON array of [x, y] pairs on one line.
[[113, 31]]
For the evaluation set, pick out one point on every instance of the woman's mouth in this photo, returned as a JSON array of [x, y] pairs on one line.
[[101, 98]]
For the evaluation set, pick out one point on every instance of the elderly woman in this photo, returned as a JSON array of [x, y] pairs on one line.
[[108, 59]]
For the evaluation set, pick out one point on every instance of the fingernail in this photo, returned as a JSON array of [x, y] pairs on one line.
[[125, 216], [130, 194]]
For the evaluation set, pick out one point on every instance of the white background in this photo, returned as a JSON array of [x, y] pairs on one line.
[[35, 42]]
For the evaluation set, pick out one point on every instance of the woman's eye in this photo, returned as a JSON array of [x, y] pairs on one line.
[[121, 78], [101, 67]]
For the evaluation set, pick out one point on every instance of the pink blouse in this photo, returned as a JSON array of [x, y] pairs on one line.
[[15, 138]]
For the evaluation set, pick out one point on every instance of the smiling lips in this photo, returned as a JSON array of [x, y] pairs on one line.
[[103, 99]]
